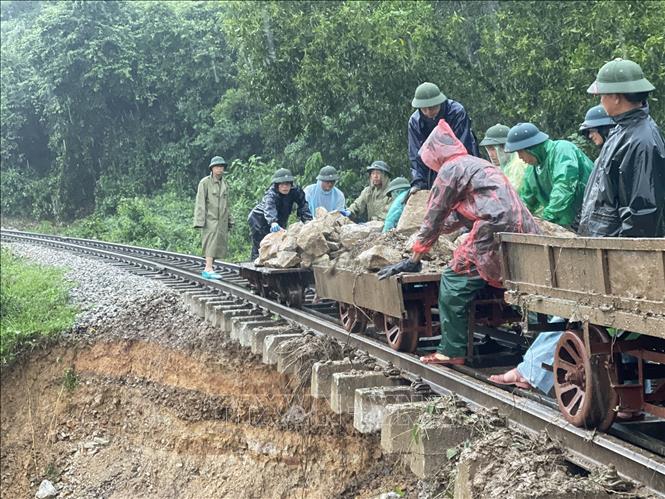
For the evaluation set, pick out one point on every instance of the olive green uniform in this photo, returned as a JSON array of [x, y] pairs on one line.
[[212, 216], [373, 202]]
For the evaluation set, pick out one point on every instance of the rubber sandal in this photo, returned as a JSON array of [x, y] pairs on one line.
[[210, 275], [434, 358], [501, 379]]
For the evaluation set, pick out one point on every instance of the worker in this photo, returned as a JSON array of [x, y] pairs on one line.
[[212, 215], [557, 177], [431, 106], [272, 213], [626, 192], [372, 204], [398, 191], [468, 192], [596, 125], [324, 193], [510, 163]]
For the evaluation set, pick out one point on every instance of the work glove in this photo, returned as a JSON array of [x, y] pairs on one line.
[[346, 213], [406, 265], [274, 227]]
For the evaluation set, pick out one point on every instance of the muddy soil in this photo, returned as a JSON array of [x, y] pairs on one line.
[[125, 411]]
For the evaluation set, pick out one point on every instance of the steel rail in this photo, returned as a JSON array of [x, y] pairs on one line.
[[584, 448]]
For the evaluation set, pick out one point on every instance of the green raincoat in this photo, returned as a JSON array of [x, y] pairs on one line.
[[372, 203], [556, 184], [212, 216], [512, 166]]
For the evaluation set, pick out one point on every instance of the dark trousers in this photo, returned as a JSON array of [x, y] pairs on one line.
[[257, 235]]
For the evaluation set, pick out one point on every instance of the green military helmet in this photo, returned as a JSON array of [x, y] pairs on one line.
[[596, 117], [328, 174], [523, 136], [427, 95], [217, 161], [398, 183], [620, 76], [379, 165], [495, 135], [281, 176]]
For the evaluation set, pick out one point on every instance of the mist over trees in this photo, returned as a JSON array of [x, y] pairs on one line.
[[102, 101]]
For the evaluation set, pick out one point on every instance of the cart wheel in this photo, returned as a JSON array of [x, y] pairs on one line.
[[402, 334], [582, 383], [353, 320]]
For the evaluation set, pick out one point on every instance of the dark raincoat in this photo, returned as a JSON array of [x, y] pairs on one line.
[[625, 195], [469, 192], [556, 184], [419, 129], [275, 207]]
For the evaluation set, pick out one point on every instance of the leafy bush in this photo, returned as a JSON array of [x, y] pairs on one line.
[[33, 304]]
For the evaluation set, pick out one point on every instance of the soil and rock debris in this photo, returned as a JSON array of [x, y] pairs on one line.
[[332, 240], [142, 399]]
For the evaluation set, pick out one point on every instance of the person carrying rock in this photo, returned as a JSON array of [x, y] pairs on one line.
[[399, 191], [373, 201], [468, 192], [555, 181], [212, 215], [510, 163], [324, 193], [272, 213], [431, 106]]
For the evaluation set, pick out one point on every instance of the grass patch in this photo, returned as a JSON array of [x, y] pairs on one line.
[[33, 304]]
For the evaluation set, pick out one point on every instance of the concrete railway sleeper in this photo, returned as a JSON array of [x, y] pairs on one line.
[[374, 400]]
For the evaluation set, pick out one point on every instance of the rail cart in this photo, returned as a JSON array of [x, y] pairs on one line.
[[286, 285], [605, 288], [404, 306]]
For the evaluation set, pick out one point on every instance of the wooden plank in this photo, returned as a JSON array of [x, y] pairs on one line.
[[614, 243], [361, 290], [604, 302], [651, 325], [603, 271]]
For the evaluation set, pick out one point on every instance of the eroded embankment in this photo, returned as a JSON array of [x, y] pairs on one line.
[[147, 420]]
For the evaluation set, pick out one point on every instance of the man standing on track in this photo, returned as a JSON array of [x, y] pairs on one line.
[[212, 215]]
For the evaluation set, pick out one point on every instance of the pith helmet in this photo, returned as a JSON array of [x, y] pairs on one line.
[[495, 135], [379, 165], [523, 136], [217, 161], [620, 76], [398, 183], [328, 174], [427, 95], [596, 117], [282, 175]]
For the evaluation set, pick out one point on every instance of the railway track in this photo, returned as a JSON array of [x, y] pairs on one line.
[[638, 457]]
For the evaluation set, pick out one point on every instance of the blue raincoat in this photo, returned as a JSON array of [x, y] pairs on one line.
[[332, 200]]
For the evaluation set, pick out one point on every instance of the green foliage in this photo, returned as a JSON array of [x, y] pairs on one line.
[[33, 304], [106, 104], [69, 379]]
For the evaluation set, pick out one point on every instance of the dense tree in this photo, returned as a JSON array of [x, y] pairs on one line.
[[109, 100]]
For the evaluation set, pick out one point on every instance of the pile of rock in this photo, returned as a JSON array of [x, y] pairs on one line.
[[333, 240]]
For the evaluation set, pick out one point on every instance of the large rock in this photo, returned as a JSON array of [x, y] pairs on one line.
[[379, 256], [443, 248], [284, 260], [270, 245], [289, 243], [353, 235], [414, 212], [550, 229], [312, 241]]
